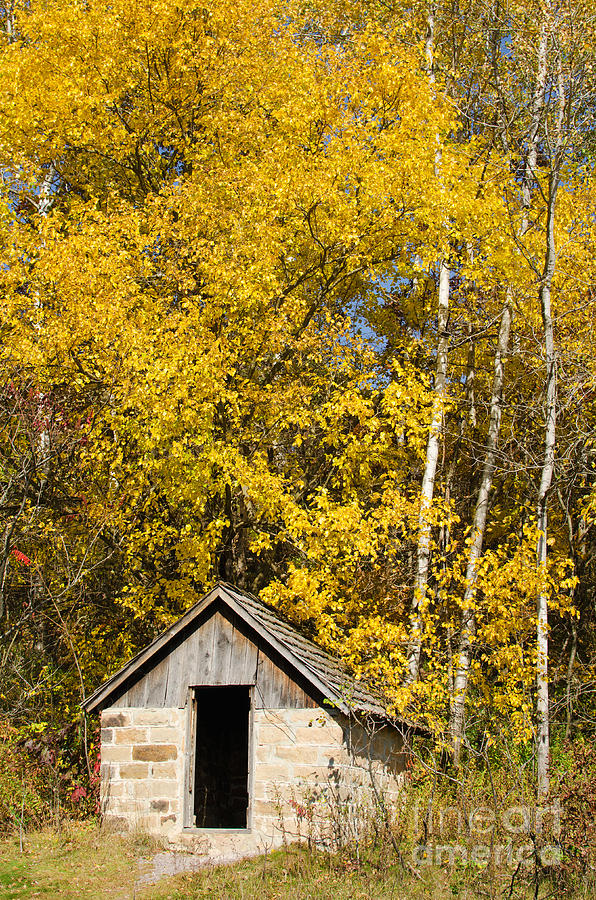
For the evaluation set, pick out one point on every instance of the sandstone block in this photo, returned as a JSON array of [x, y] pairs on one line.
[[114, 719], [271, 772], [319, 774], [106, 735], [165, 716], [164, 733], [115, 789], [331, 734], [155, 789], [168, 821], [297, 753], [154, 752], [264, 808], [305, 716], [112, 753], [130, 735], [269, 735], [133, 770], [132, 809], [160, 805], [262, 790], [166, 770], [266, 753]]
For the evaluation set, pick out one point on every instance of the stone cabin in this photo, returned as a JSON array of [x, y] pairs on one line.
[[233, 723]]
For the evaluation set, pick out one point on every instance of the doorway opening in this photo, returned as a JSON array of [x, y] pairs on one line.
[[221, 757]]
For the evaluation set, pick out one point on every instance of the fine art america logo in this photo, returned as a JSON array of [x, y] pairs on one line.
[[525, 830]]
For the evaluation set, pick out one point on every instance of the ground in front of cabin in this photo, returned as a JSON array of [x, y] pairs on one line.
[[80, 861]]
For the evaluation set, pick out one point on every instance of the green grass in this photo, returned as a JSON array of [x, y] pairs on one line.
[[292, 875], [74, 862], [81, 861]]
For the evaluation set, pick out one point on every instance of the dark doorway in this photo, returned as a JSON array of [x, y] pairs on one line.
[[221, 762]]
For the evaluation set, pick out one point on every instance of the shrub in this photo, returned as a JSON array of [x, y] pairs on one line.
[[577, 793], [43, 776]]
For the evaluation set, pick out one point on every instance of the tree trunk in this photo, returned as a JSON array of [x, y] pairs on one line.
[[468, 627], [548, 465], [428, 480]]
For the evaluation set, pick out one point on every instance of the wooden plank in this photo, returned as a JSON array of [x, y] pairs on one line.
[[189, 761], [136, 694], [222, 650], [203, 651], [259, 700], [156, 683], [251, 757], [177, 686], [269, 683], [244, 660]]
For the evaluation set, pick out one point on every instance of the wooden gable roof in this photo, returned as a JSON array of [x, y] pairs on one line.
[[311, 663]]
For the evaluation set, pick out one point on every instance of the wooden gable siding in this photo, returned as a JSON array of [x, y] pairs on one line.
[[217, 652]]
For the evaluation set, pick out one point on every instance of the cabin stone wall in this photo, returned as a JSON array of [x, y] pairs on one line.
[[142, 768], [307, 767], [317, 772]]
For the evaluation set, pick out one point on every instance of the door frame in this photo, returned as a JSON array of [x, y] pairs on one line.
[[190, 760]]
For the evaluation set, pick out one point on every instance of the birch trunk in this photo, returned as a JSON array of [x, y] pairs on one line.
[[546, 476], [468, 627], [428, 480]]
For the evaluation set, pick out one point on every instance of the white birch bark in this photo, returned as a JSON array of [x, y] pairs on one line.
[[546, 476], [428, 481], [550, 428], [468, 626]]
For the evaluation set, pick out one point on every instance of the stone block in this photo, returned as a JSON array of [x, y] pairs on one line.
[[155, 789], [329, 734], [264, 808], [165, 716], [164, 734], [318, 774], [269, 735], [262, 790], [115, 789], [166, 770], [127, 806], [296, 753], [113, 754], [133, 770], [130, 735], [306, 716], [270, 772], [154, 752], [168, 822], [107, 736], [265, 753], [114, 719], [161, 806], [332, 758]]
